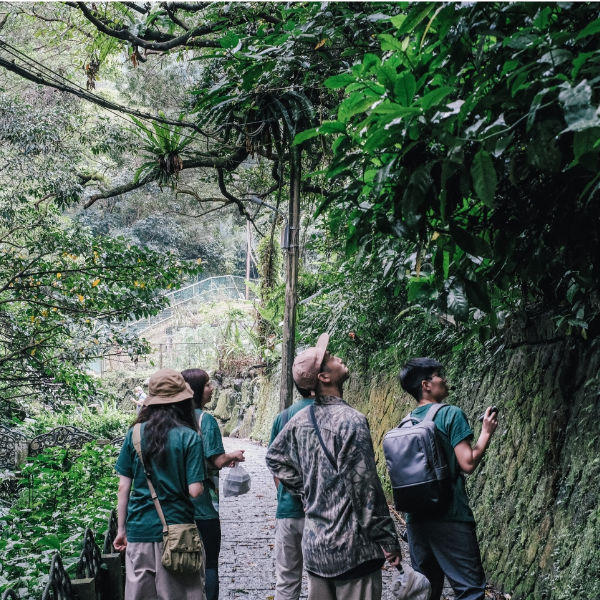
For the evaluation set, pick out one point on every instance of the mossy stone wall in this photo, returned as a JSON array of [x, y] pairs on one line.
[[536, 496]]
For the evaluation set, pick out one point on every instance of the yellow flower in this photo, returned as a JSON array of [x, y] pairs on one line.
[[95, 282], [58, 275], [81, 298]]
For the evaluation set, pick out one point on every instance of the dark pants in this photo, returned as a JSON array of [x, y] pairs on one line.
[[451, 549], [210, 532]]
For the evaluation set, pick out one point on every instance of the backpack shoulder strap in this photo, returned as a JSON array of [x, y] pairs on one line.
[[408, 419], [200, 422], [323, 446], [433, 410], [137, 444]]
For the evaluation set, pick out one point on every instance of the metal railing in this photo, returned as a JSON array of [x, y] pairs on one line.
[[213, 289]]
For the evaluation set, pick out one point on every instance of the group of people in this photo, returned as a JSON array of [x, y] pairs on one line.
[[332, 516], [182, 452]]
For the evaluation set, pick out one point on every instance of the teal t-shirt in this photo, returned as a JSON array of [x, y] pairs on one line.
[[452, 424], [212, 443], [183, 466], [288, 507]]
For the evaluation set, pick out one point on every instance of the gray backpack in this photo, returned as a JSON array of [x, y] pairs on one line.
[[419, 472]]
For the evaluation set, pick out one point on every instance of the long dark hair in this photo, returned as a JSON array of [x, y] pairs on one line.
[[160, 419], [197, 380]]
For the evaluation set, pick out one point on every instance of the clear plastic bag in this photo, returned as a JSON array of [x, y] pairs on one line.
[[236, 482], [410, 585]]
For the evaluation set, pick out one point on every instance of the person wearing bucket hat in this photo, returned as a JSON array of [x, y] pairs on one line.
[[174, 459], [324, 455]]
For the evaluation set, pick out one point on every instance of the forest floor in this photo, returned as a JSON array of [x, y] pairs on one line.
[[247, 564]]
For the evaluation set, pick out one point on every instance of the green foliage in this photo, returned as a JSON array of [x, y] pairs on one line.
[[64, 493], [471, 150], [104, 422], [64, 295], [163, 146]]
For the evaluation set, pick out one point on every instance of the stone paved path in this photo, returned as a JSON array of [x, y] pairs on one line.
[[247, 565]]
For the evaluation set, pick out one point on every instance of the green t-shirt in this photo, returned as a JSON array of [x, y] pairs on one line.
[[183, 466], [453, 427], [288, 507], [206, 505]]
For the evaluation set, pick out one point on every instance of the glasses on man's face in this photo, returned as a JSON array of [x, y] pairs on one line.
[[440, 375]]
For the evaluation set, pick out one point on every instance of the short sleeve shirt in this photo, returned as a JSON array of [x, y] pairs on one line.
[[212, 443], [453, 427], [184, 465], [288, 507]]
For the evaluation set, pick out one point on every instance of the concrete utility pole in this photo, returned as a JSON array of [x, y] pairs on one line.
[[248, 251], [291, 286]]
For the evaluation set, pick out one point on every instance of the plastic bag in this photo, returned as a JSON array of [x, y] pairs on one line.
[[236, 482], [410, 585]]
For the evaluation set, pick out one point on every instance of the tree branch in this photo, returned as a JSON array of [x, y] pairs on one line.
[[229, 163], [163, 41], [240, 204], [187, 6], [121, 189], [135, 7], [315, 189]]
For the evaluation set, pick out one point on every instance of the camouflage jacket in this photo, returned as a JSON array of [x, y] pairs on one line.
[[347, 517]]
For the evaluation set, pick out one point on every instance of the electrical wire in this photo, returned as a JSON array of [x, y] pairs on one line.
[[86, 95]]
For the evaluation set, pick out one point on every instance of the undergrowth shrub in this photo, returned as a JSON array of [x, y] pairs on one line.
[[64, 492]]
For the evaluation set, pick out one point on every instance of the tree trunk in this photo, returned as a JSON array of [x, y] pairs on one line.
[[291, 271]]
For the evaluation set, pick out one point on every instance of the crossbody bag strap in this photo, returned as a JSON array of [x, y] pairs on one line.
[[137, 444], [316, 426]]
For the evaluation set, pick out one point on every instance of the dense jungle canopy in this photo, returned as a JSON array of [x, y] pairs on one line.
[[448, 155]]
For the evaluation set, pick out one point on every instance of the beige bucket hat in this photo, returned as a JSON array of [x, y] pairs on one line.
[[307, 365], [167, 386]]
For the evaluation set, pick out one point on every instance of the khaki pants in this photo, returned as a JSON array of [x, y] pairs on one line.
[[288, 558], [364, 588], [147, 579]]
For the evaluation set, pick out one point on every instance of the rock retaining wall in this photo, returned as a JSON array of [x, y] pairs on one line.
[[536, 496]]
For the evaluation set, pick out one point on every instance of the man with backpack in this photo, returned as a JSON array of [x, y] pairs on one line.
[[289, 518], [325, 456], [441, 537]]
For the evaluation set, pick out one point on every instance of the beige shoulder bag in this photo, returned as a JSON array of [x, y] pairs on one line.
[[182, 547]]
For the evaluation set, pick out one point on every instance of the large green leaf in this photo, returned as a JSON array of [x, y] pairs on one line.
[[457, 303], [339, 81], [389, 42], [484, 177], [419, 290], [229, 40], [477, 295], [326, 127], [418, 13], [472, 244], [434, 97], [405, 87], [355, 104]]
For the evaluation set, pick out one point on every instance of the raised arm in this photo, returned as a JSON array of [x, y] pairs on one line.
[[469, 458]]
